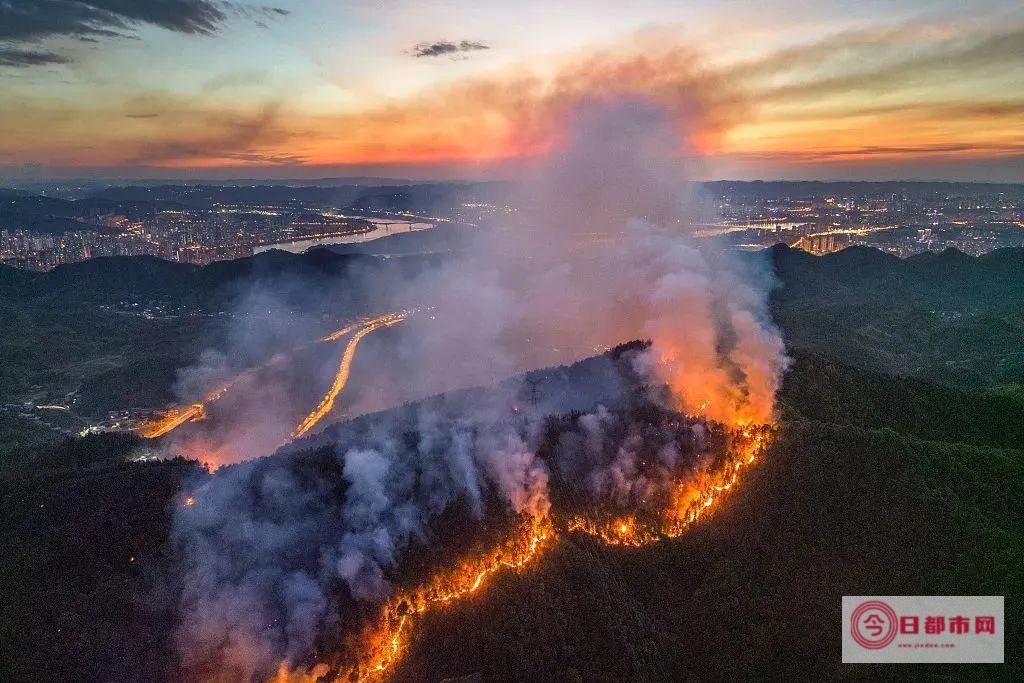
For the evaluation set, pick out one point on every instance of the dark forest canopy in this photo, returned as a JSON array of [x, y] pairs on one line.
[[897, 468], [847, 501]]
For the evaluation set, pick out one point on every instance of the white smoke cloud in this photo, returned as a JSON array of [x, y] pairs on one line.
[[598, 253], [267, 542]]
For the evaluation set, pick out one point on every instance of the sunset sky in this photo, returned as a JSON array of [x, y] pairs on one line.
[[872, 89]]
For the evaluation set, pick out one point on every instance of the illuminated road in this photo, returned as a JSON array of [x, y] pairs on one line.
[[171, 420], [174, 418], [338, 334], [341, 377]]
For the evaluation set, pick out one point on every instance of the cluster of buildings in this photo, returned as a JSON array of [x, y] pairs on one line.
[[900, 218], [43, 252], [897, 223], [190, 236]]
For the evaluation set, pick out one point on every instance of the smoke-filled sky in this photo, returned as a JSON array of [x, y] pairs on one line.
[[872, 89]]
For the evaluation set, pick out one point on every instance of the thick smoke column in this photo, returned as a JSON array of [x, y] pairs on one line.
[[597, 253], [267, 543]]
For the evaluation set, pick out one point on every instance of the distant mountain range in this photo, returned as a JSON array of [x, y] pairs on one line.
[[950, 317], [142, 279], [854, 275]]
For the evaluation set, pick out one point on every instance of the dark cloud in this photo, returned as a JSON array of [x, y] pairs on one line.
[[16, 57], [35, 19], [447, 47], [23, 21]]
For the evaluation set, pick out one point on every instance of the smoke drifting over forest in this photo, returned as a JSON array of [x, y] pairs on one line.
[[280, 555], [597, 252]]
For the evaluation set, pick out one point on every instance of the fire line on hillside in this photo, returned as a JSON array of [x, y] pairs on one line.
[[380, 644], [320, 562]]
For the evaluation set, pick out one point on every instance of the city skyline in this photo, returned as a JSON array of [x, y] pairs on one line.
[[197, 89]]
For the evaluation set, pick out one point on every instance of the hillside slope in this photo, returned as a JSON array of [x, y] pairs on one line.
[[755, 591], [838, 506], [947, 317]]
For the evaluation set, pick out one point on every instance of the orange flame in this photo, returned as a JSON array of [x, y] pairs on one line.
[[381, 644], [691, 498], [384, 641]]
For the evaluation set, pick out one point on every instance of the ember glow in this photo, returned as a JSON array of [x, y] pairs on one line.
[[380, 645]]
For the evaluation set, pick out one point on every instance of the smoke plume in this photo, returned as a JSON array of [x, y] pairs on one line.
[[598, 251], [282, 553]]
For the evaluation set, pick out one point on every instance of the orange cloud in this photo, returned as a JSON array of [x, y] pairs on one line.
[[920, 91], [870, 94], [519, 113]]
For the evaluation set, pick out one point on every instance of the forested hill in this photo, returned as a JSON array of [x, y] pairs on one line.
[[840, 505], [859, 274], [948, 317], [146, 278], [110, 333], [949, 278], [851, 499], [117, 329]]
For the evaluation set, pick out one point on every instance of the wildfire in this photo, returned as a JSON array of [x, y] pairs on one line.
[[692, 498], [381, 644], [341, 377], [622, 531]]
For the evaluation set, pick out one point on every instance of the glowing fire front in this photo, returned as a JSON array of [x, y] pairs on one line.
[[381, 644], [376, 649], [691, 498]]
